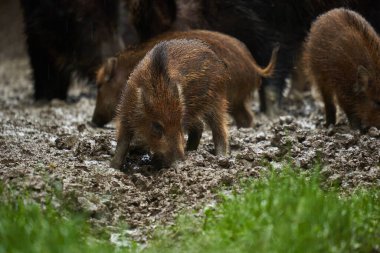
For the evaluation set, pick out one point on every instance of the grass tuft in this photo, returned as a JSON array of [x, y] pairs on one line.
[[26, 226], [283, 212]]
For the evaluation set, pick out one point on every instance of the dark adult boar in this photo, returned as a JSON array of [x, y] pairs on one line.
[[342, 57], [177, 85], [245, 74], [66, 37]]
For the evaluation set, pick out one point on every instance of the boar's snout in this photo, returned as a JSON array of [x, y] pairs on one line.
[[166, 160], [179, 155], [102, 112], [173, 156]]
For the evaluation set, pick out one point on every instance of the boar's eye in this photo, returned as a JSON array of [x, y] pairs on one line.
[[157, 129]]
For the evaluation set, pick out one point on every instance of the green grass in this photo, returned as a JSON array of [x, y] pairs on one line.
[[27, 227], [282, 212]]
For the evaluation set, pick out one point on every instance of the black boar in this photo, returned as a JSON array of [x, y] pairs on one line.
[[66, 37]]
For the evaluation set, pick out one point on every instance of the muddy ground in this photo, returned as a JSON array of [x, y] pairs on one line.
[[49, 147]]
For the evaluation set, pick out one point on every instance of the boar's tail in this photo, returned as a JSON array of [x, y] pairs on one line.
[[269, 69]]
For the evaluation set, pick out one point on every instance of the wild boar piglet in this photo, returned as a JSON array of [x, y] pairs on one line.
[[177, 85], [342, 57]]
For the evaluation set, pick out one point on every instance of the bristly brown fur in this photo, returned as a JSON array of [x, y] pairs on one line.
[[159, 110], [159, 63], [245, 74], [341, 57]]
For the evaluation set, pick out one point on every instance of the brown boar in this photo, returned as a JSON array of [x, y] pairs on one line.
[[246, 75], [299, 81], [110, 80], [177, 85], [342, 57]]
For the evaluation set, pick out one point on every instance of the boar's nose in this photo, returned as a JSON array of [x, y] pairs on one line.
[[180, 155]]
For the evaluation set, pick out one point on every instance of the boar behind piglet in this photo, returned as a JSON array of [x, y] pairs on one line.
[[342, 57], [177, 85], [111, 78]]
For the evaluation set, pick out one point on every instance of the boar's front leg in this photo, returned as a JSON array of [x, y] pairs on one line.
[[330, 109], [195, 130], [218, 124], [122, 148]]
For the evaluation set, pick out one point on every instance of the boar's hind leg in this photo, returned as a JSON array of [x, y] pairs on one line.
[[122, 148], [218, 124], [242, 115], [330, 109], [195, 134], [354, 120], [272, 89]]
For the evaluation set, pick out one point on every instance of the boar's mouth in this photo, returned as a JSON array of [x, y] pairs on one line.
[[159, 161]]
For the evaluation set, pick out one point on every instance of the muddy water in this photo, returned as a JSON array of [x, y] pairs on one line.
[[45, 147]]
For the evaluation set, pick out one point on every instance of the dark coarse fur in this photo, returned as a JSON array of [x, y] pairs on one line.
[[150, 17], [66, 37], [342, 57], [245, 74], [177, 85], [262, 23]]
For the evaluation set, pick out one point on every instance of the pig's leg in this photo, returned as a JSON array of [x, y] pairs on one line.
[[122, 147], [242, 115], [194, 135], [330, 109], [218, 124], [49, 80], [354, 121], [272, 89]]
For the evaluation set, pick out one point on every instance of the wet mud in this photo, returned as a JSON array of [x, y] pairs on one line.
[[50, 147]]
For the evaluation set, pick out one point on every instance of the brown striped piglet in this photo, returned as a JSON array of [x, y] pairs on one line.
[[176, 86]]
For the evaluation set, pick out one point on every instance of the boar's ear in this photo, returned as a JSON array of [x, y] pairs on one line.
[[109, 68], [362, 81], [160, 62], [160, 72]]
